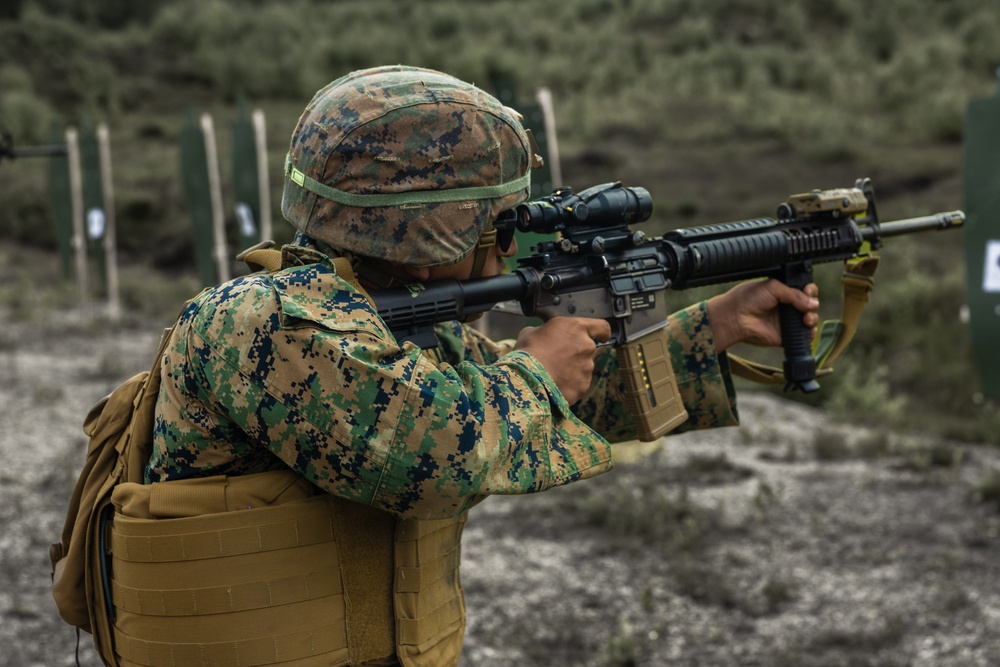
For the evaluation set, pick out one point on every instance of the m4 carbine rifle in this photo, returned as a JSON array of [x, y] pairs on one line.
[[601, 268]]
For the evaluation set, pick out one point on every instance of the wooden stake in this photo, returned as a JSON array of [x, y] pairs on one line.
[[79, 240], [215, 190], [110, 244], [263, 182], [544, 99]]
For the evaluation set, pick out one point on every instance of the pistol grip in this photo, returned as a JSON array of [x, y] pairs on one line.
[[651, 393]]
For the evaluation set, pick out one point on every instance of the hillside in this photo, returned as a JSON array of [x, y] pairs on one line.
[[721, 109]]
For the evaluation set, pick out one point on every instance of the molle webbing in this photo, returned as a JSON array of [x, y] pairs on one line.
[[430, 609], [243, 582], [319, 647], [256, 570]]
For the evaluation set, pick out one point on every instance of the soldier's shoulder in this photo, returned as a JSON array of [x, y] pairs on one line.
[[316, 293]]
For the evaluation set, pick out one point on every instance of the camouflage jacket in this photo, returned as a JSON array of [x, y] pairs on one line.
[[296, 369]]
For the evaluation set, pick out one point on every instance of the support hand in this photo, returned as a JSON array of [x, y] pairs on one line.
[[748, 313]]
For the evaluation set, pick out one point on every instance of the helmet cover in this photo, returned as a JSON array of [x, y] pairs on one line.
[[404, 164]]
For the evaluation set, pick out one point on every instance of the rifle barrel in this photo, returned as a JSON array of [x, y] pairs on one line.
[[925, 223]]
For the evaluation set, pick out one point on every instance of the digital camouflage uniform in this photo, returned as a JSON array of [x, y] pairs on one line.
[[296, 369]]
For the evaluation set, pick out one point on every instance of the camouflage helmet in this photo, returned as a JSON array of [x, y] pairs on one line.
[[404, 164]]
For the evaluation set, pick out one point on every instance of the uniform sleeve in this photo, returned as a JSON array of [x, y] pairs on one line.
[[327, 390], [703, 380]]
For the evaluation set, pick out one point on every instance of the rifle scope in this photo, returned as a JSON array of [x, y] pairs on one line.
[[603, 206]]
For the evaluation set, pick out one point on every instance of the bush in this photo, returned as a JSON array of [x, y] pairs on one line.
[[831, 446], [987, 490], [265, 53], [650, 514]]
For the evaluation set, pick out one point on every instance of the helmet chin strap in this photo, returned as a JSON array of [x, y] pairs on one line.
[[487, 240]]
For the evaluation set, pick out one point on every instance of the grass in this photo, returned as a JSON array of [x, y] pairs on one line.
[[777, 593], [925, 457], [874, 445], [831, 445], [987, 490], [704, 582], [32, 291], [871, 646], [650, 513], [622, 649], [30, 283], [709, 469], [912, 455], [951, 599], [655, 512]]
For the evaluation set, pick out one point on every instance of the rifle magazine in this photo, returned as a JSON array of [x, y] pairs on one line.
[[651, 392]]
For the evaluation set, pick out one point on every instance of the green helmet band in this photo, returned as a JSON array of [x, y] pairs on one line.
[[404, 198]]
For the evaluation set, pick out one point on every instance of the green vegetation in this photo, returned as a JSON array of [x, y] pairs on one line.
[[720, 107], [648, 512], [987, 490], [917, 456], [857, 647]]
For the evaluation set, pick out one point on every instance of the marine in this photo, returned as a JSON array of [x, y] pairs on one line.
[[310, 475]]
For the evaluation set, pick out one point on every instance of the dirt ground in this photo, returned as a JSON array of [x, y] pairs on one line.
[[758, 545]]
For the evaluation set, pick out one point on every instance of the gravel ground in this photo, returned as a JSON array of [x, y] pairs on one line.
[[745, 546], [849, 562]]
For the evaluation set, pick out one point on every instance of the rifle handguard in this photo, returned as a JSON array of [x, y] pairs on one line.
[[651, 393]]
